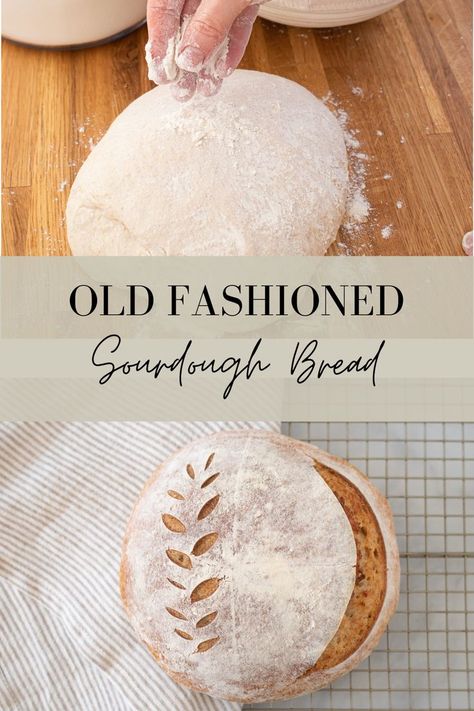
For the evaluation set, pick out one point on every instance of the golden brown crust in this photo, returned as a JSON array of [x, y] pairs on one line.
[[376, 593], [371, 574]]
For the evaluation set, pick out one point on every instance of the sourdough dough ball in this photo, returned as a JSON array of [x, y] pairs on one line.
[[259, 169], [256, 567]]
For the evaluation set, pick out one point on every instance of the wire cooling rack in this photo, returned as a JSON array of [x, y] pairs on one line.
[[425, 661]]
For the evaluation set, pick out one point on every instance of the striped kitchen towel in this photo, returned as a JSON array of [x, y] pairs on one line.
[[67, 490]]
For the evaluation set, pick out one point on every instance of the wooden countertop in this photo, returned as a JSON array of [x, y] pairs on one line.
[[404, 79]]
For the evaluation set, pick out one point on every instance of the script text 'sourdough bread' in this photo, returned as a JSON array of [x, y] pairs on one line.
[[258, 169], [256, 567]]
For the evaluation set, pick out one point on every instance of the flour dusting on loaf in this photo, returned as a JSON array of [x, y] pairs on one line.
[[239, 565]]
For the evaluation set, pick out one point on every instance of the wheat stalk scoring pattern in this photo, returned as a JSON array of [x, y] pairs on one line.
[[206, 588]]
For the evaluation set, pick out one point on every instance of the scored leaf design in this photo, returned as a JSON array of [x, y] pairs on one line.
[[183, 634], [173, 524], [208, 508], [204, 621], [209, 461], [176, 613], [179, 558], [205, 589], [207, 644], [209, 480], [203, 545]]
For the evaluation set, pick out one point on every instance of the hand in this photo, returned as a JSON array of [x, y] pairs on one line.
[[195, 44]]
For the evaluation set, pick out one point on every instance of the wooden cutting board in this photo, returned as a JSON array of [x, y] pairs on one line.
[[404, 79]]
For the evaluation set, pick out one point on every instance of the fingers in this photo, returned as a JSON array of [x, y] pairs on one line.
[[207, 30], [185, 88], [191, 83], [190, 7], [208, 85], [239, 36], [164, 18], [211, 22]]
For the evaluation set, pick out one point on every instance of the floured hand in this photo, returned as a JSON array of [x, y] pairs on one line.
[[195, 44]]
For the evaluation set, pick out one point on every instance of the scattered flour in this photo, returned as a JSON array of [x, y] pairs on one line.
[[10, 194], [357, 91], [86, 137], [358, 208], [387, 231], [360, 225]]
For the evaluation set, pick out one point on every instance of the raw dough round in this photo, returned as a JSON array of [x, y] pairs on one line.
[[259, 169]]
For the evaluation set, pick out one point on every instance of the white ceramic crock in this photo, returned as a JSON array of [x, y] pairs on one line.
[[69, 23], [324, 13]]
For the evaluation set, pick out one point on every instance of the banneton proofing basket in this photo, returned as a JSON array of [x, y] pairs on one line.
[[324, 13]]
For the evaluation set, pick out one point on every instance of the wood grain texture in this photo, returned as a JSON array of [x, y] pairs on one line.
[[413, 65]]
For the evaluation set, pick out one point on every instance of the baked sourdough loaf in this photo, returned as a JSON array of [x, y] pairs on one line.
[[257, 567]]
